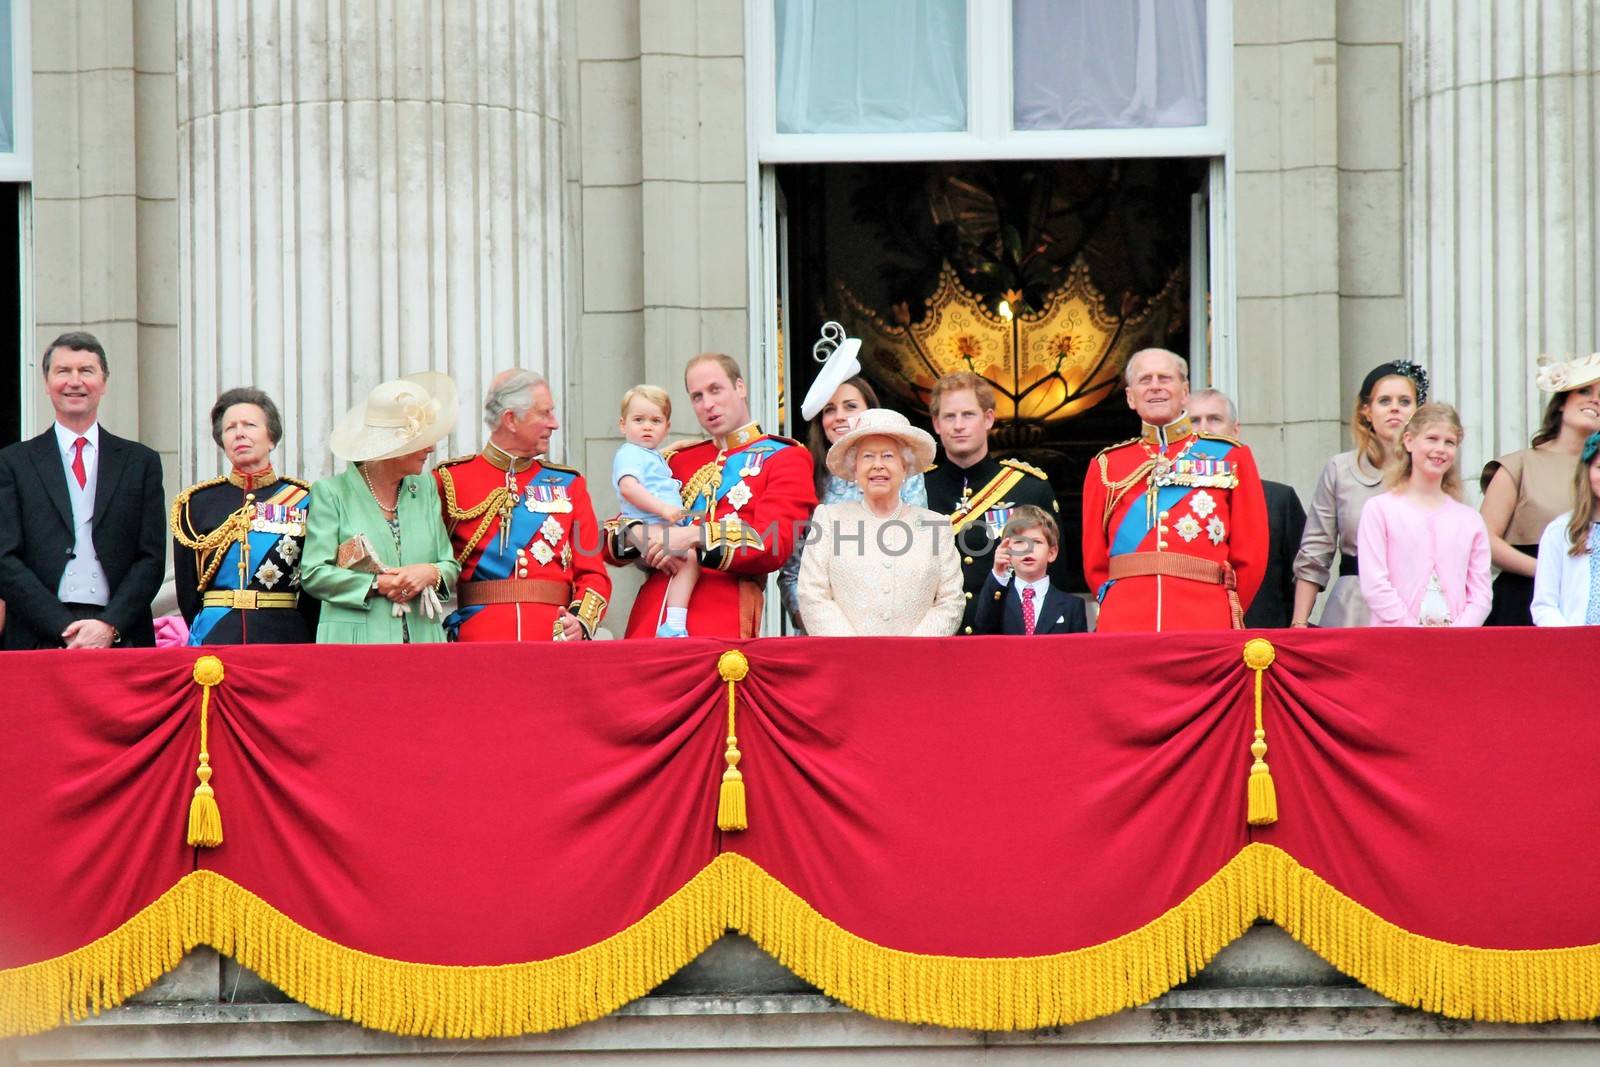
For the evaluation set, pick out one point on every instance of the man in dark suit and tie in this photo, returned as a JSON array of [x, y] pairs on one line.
[[1213, 411], [82, 536], [1017, 597]]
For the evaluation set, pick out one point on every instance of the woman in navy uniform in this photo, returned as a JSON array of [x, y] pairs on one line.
[[238, 539]]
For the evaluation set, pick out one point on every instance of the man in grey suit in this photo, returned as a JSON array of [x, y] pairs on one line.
[[1213, 411], [82, 530]]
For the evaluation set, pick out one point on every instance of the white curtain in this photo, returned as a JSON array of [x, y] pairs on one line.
[[872, 66], [7, 96], [1109, 64]]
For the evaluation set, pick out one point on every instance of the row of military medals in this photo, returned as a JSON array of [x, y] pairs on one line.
[[549, 500]]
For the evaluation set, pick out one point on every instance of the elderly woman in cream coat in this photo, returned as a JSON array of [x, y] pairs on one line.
[[880, 566]]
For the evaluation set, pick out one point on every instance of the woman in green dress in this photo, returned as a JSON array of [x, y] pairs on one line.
[[384, 496]]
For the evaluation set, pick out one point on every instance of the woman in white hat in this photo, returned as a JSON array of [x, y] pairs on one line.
[[377, 554], [837, 395], [1526, 489], [878, 565]]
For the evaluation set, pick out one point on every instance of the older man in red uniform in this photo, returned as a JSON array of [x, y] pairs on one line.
[[524, 530], [749, 494], [1174, 521]]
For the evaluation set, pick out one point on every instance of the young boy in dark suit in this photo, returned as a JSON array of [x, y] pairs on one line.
[[1017, 597]]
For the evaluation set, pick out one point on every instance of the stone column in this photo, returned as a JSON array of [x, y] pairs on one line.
[[367, 188], [1502, 221]]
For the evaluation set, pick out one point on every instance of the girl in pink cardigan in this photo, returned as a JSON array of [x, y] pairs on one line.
[[1425, 554]]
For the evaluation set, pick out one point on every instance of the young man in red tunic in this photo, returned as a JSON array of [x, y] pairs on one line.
[[749, 494], [524, 530], [1174, 521]]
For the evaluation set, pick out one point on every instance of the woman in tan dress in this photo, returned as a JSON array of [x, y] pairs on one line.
[[1389, 395], [1523, 491]]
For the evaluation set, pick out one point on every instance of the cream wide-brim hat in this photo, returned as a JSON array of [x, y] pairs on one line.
[[881, 422], [1556, 375], [398, 417]]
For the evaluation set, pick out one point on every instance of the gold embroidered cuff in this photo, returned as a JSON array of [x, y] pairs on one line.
[[721, 540], [589, 610], [615, 532]]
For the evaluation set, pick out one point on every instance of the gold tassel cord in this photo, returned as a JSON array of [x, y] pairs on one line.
[[986, 993], [1262, 809], [731, 812], [205, 818]]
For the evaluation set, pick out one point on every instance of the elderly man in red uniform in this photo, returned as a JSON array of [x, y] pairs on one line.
[[749, 494], [1174, 521], [523, 530]]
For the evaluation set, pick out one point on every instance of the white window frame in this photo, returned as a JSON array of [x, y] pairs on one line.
[[989, 136], [17, 165], [989, 133]]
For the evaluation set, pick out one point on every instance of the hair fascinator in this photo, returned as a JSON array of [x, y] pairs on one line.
[[1402, 368], [839, 356], [1591, 445]]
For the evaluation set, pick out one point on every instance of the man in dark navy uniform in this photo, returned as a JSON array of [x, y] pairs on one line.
[[976, 490]]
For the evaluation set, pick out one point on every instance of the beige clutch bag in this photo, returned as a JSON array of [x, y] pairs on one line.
[[357, 554]]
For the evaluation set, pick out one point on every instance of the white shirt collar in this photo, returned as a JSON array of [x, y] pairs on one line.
[[65, 437], [1039, 588]]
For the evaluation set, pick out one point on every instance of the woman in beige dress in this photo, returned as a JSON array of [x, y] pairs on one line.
[[1523, 491], [1389, 395], [878, 565]]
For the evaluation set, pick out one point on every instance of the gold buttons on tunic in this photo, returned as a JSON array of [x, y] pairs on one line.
[[967, 560]]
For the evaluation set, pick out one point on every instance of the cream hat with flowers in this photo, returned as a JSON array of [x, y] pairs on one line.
[[398, 417], [1561, 376], [880, 422]]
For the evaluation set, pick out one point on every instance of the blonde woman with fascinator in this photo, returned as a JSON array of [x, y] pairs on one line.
[[1523, 491], [1390, 394], [1566, 586], [377, 554]]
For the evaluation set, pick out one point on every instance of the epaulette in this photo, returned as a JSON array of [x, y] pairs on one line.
[[786, 440], [452, 461], [184, 494], [1025, 468], [930, 468], [668, 453], [1119, 444], [1234, 441], [558, 467], [180, 508], [301, 482]]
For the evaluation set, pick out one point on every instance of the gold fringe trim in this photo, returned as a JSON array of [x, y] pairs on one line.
[[431, 1000], [1021, 993], [997, 993]]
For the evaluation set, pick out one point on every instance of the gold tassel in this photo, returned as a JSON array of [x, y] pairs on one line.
[[731, 814], [205, 818], [1263, 795]]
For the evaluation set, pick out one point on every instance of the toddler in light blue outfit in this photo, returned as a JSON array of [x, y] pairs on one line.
[[651, 495]]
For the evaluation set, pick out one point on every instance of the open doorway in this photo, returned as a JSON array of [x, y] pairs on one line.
[[1042, 276]]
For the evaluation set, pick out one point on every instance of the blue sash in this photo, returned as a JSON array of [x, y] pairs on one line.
[[226, 576], [733, 468], [494, 563], [1135, 524]]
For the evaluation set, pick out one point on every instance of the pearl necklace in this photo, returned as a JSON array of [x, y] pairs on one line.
[[387, 509]]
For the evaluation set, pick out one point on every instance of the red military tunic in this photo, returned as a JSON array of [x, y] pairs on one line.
[[513, 587], [1171, 519], [758, 493]]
